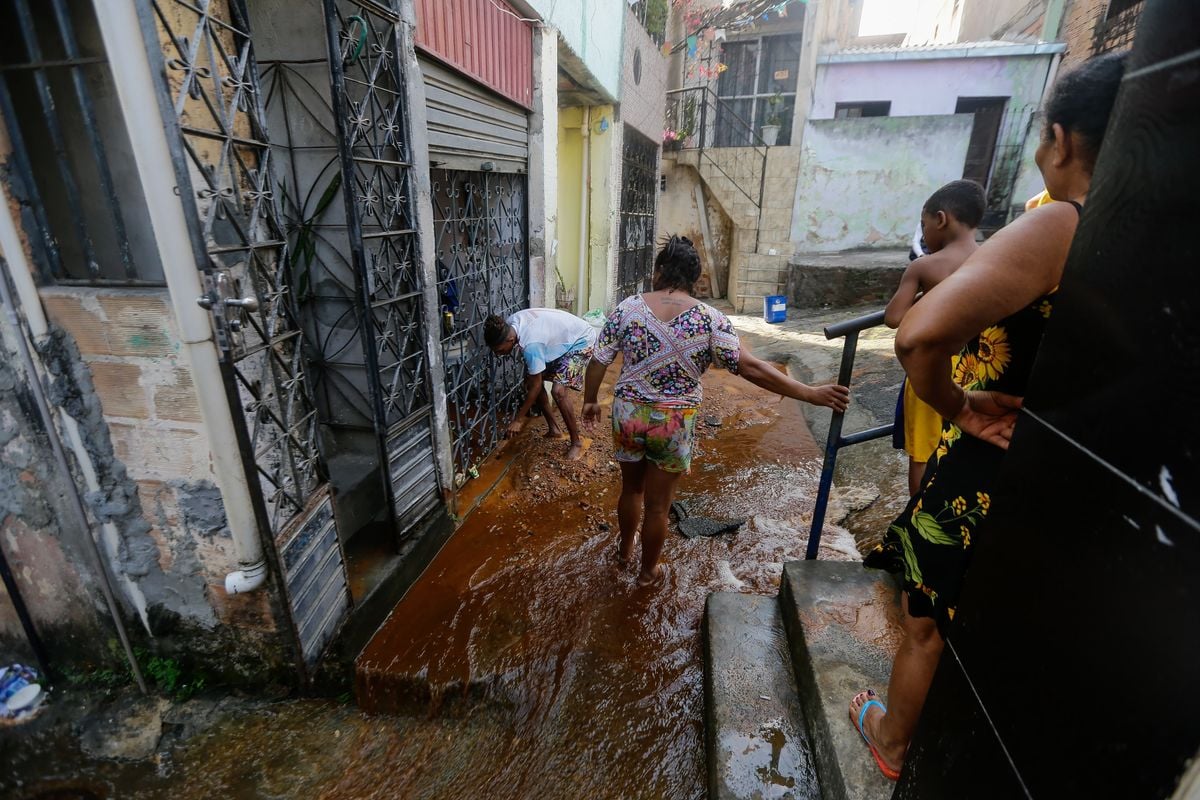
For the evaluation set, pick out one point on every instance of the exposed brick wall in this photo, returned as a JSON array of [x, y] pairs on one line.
[[129, 344], [1079, 28]]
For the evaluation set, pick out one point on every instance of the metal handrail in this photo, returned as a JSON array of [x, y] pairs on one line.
[[760, 147], [835, 440], [756, 141]]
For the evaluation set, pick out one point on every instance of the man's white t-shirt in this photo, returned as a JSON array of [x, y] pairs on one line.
[[547, 334]]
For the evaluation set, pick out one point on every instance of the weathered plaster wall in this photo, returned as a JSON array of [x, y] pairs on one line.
[[588, 29], [543, 169], [863, 181], [47, 561], [112, 365], [642, 104], [1029, 178], [679, 213], [922, 87], [604, 171]]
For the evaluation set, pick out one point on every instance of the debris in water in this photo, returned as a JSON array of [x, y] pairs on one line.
[[691, 527], [680, 509], [712, 420]]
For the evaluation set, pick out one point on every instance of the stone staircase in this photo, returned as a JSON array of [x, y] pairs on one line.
[[778, 675], [734, 179]]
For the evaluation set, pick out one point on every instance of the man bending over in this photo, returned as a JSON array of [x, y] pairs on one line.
[[556, 347]]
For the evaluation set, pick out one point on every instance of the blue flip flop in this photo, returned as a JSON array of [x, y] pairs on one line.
[[888, 772]]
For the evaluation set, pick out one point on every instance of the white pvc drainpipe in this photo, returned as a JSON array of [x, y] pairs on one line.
[[585, 180], [136, 90]]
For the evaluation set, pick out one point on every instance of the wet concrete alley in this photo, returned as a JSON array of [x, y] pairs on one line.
[[524, 614], [523, 663]]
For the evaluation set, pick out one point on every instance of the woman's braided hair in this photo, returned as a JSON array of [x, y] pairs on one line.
[[677, 265]]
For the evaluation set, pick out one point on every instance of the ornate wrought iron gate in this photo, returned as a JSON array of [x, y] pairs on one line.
[[372, 125], [224, 168], [480, 228], [639, 195], [276, 350]]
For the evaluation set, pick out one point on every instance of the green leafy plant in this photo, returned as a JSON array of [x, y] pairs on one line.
[[656, 18], [687, 119], [775, 109], [303, 233]]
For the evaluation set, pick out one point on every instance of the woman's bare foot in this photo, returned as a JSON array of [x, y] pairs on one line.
[[892, 756], [575, 452], [554, 432], [647, 579], [622, 561]]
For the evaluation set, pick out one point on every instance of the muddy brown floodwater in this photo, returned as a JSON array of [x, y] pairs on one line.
[[524, 614], [523, 664]]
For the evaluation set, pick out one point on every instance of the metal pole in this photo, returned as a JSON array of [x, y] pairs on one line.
[[832, 442], [60, 459]]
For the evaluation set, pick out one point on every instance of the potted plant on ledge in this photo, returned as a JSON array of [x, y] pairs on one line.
[[770, 130], [673, 140]]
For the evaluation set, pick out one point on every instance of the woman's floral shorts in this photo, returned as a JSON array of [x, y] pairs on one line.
[[661, 435]]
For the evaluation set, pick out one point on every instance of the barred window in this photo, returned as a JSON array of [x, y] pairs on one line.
[[72, 164]]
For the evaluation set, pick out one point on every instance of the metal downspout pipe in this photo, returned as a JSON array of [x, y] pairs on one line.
[[14, 264], [121, 29]]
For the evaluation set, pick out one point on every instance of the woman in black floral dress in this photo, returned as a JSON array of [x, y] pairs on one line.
[[987, 319]]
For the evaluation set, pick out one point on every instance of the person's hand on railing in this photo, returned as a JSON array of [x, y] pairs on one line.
[[831, 395], [989, 416]]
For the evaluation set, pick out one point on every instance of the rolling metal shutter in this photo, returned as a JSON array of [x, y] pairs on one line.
[[470, 126]]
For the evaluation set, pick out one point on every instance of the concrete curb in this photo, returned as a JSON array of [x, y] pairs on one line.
[[757, 745], [842, 625]]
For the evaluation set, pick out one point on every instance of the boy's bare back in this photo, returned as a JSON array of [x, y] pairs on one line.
[[923, 274]]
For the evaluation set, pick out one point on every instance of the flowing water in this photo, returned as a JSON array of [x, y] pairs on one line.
[[523, 664]]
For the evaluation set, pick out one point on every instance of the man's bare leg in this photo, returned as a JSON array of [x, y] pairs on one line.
[[543, 403], [566, 406]]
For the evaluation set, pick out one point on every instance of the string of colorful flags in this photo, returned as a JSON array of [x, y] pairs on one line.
[[710, 24]]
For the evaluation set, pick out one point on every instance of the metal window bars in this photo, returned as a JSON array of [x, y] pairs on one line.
[[639, 196], [480, 232], [54, 95]]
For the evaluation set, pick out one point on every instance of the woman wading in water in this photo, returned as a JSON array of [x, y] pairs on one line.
[[667, 339]]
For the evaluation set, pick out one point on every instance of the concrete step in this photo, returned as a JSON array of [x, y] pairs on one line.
[[756, 741], [843, 626]]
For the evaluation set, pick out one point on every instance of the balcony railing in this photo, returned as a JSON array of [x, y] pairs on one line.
[[653, 16]]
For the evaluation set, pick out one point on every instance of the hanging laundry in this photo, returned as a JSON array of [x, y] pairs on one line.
[[692, 43]]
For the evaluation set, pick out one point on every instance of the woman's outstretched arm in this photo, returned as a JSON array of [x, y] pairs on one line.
[[766, 376]]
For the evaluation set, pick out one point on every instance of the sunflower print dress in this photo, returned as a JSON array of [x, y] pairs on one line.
[[929, 544]]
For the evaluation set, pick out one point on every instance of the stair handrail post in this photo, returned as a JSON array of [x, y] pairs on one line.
[[835, 441]]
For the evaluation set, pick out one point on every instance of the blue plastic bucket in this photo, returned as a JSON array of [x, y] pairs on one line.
[[775, 308]]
